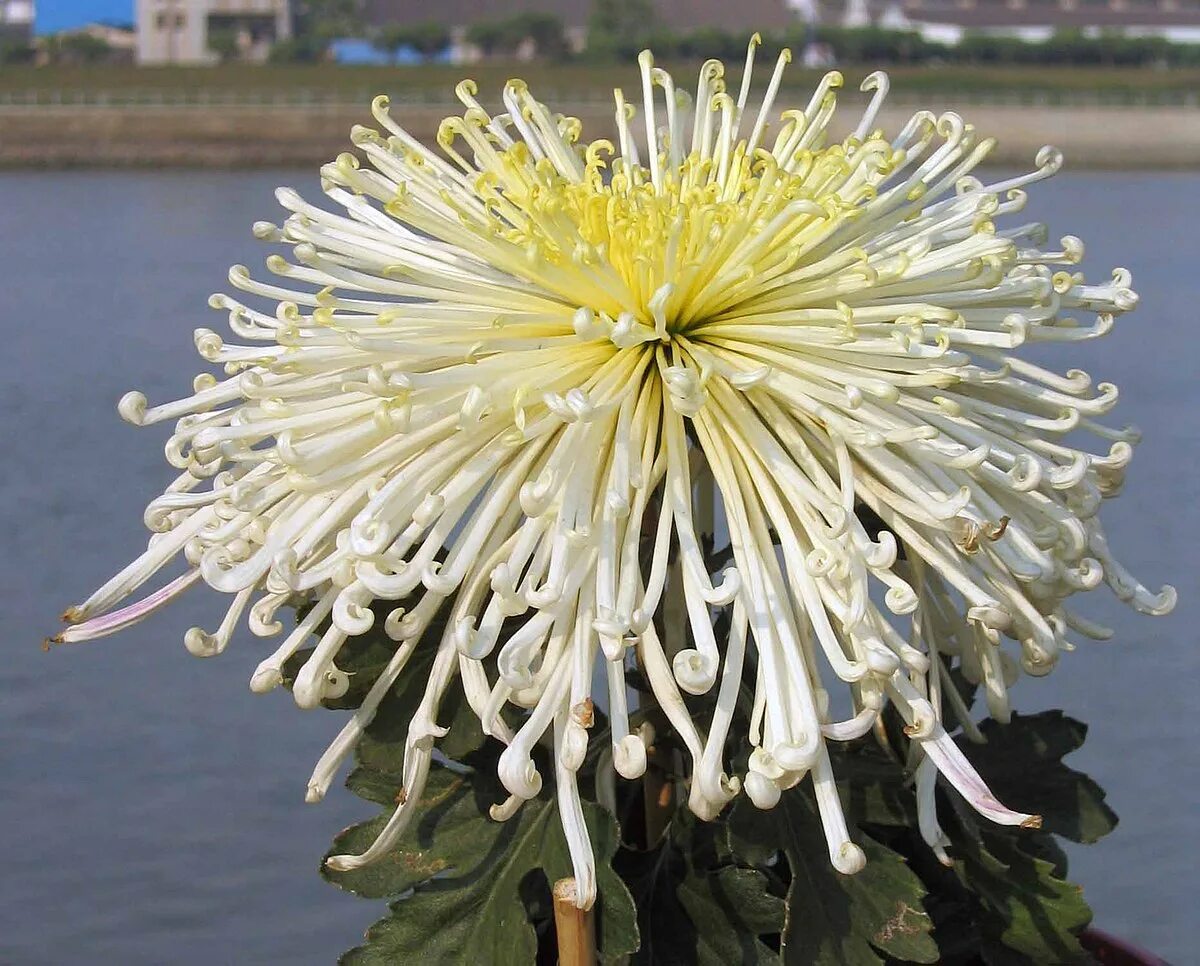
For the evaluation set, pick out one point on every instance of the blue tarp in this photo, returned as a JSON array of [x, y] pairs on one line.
[[353, 50]]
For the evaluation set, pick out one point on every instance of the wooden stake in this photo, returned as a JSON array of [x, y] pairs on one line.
[[574, 926]]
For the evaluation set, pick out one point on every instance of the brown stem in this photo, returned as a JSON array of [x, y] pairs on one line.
[[574, 926], [657, 792]]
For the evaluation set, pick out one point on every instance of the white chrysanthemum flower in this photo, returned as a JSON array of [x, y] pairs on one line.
[[500, 371]]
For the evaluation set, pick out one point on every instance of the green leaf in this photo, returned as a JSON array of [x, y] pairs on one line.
[[1022, 763], [1043, 845], [461, 878], [873, 785], [966, 690], [382, 745], [1012, 882], [730, 908], [446, 793], [1024, 912], [833, 918], [363, 658], [689, 915]]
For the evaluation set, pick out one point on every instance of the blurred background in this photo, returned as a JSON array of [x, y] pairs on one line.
[[266, 82], [152, 807]]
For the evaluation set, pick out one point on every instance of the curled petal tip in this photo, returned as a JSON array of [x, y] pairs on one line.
[[849, 859], [132, 408], [344, 863], [503, 811], [629, 757], [200, 643], [573, 749], [696, 672], [763, 792], [266, 678], [1162, 603]]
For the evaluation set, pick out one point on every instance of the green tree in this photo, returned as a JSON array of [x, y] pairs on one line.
[[544, 29], [618, 27], [83, 49], [427, 39], [297, 50], [224, 43], [327, 20], [16, 52], [389, 39], [489, 36], [504, 37], [704, 42]]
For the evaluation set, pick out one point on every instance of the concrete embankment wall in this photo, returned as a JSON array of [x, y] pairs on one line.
[[274, 135]]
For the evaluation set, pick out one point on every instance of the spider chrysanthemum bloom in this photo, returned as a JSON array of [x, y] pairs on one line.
[[513, 381]]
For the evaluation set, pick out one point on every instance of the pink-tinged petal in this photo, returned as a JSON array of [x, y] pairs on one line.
[[952, 763], [118, 620]]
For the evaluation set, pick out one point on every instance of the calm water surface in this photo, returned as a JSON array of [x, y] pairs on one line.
[[152, 808]]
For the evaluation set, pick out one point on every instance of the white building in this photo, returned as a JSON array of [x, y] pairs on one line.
[[179, 31], [947, 21], [16, 20], [856, 15]]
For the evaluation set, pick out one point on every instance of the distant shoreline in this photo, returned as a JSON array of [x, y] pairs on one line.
[[258, 136]]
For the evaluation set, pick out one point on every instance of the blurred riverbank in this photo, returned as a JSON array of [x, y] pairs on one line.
[[237, 135], [243, 116]]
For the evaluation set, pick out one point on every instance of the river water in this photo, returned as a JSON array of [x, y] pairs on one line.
[[152, 808]]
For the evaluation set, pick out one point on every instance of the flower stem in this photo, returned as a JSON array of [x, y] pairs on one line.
[[657, 790], [575, 927]]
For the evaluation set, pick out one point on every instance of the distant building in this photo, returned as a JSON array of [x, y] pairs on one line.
[[943, 21], [742, 17], [856, 14], [1036, 20], [947, 21], [16, 21], [183, 31]]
